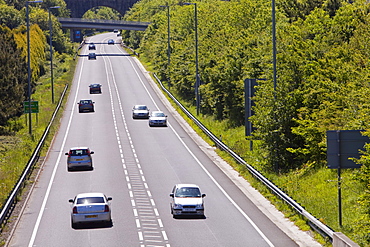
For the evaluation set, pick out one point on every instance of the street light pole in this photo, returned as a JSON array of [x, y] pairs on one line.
[[168, 40], [51, 52], [197, 79], [29, 65], [273, 43]]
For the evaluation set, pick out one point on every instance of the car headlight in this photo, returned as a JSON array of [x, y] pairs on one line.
[[177, 206], [200, 206]]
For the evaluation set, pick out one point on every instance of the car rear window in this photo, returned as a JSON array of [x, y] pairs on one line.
[[79, 152], [89, 200]]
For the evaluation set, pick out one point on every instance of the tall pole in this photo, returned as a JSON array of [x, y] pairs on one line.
[[51, 53], [29, 71], [29, 65], [197, 79], [274, 44], [196, 59], [168, 41], [168, 38]]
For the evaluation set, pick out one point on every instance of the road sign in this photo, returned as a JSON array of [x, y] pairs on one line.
[[34, 107], [344, 145]]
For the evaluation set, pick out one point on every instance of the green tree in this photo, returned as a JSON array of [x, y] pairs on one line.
[[13, 77], [10, 17]]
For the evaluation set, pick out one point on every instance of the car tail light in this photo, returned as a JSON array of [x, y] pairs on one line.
[[106, 209], [74, 210]]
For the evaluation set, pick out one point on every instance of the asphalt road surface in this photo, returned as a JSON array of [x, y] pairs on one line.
[[137, 166]]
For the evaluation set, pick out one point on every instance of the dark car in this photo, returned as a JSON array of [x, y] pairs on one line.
[[95, 88], [92, 46], [86, 105], [111, 42], [92, 56]]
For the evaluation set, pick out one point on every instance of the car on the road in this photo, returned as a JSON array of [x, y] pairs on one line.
[[140, 111], [115, 31], [86, 105], [79, 157], [186, 199], [95, 88], [92, 46], [111, 42], [91, 207], [91, 56], [157, 118]]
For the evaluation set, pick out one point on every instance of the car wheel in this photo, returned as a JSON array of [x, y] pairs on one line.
[[109, 223], [74, 225]]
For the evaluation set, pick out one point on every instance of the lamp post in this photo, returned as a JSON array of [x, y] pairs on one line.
[[51, 52], [29, 64], [168, 40], [197, 79], [273, 43]]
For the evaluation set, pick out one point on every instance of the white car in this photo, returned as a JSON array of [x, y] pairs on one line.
[[90, 207], [140, 111], [157, 118], [186, 199]]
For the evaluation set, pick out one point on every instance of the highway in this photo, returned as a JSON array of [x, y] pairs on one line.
[[137, 166]]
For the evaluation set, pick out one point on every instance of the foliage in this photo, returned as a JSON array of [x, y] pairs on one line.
[[102, 13], [322, 70], [9, 16], [13, 77]]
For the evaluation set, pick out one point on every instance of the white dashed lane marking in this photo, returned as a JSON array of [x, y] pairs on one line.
[[148, 223]]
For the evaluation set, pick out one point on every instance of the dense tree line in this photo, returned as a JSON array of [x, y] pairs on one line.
[[322, 71], [13, 65], [13, 76]]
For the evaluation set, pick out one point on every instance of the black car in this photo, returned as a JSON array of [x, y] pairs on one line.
[[86, 105], [95, 88], [92, 46], [111, 42], [92, 56]]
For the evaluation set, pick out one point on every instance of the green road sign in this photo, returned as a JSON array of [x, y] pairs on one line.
[[34, 107]]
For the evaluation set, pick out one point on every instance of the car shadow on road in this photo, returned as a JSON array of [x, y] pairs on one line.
[[187, 217], [93, 225], [81, 169]]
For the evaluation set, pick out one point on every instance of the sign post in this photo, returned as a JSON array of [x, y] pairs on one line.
[[342, 147]]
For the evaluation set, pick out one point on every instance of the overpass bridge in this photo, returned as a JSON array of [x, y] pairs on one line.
[[76, 24], [79, 23]]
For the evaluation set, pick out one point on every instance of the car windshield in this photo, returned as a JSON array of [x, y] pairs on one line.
[[79, 152], [141, 107], [158, 114], [89, 200], [187, 192]]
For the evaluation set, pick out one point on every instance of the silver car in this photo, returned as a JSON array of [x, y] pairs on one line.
[[140, 111], [186, 199], [79, 157], [157, 118], [90, 207]]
